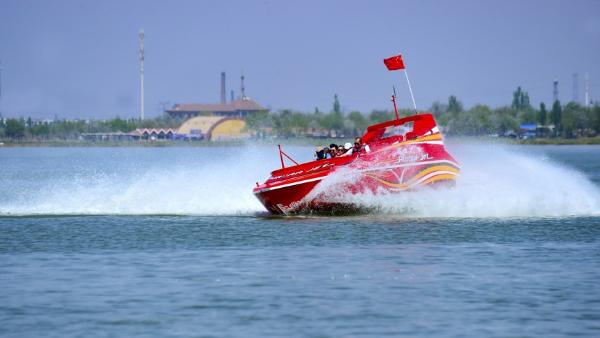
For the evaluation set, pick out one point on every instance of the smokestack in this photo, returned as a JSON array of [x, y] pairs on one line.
[[555, 91], [223, 91], [243, 89]]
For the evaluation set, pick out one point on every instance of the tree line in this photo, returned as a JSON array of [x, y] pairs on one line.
[[562, 121], [28, 129], [557, 121]]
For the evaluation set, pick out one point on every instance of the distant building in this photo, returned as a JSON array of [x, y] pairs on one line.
[[212, 128], [154, 133], [151, 134], [241, 107]]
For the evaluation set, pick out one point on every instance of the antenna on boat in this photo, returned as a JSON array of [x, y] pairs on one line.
[[396, 63], [394, 101], [282, 154]]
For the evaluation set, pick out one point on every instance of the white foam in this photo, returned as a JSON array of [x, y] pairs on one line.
[[214, 186], [495, 181]]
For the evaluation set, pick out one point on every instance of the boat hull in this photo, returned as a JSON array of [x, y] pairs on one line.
[[337, 191], [394, 164]]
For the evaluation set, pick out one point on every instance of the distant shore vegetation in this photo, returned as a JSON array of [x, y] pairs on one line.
[[555, 124]]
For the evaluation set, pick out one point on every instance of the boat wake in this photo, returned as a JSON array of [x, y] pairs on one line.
[[202, 185], [495, 181]]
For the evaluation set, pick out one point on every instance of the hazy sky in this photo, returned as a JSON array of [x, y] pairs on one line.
[[80, 58]]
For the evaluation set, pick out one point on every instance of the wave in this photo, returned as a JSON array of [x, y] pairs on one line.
[[495, 181]]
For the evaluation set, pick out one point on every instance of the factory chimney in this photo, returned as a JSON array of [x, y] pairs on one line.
[[555, 91], [223, 91], [243, 89]]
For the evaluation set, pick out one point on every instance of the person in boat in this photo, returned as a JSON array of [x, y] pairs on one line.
[[333, 150], [340, 150], [321, 153], [359, 147], [347, 149]]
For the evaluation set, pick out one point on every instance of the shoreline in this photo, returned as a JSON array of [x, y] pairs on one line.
[[283, 141]]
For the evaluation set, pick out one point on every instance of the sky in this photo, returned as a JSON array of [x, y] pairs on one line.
[[79, 59]]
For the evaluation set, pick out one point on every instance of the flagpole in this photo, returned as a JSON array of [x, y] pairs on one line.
[[394, 101], [410, 89], [396, 63]]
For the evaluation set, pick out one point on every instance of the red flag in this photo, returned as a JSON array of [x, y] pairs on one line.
[[394, 63]]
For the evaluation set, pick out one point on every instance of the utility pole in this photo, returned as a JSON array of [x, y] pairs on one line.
[[141, 73], [575, 87], [587, 90]]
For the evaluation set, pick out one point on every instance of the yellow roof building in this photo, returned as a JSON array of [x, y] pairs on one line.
[[214, 128]]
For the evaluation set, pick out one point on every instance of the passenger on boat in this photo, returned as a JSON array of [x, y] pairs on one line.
[[340, 150], [321, 153], [333, 150], [347, 149], [359, 147]]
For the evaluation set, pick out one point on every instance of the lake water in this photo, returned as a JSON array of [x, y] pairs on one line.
[[159, 242]]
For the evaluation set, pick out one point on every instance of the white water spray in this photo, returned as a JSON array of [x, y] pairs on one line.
[[213, 181], [495, 181]]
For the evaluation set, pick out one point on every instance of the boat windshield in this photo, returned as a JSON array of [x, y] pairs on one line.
[[400, 130]]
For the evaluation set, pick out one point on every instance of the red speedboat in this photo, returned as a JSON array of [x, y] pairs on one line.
[[405, 154]]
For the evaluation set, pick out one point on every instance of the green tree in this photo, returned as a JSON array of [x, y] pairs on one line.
[[258, 120], [359, 122], [556, 117], [336, 104], [504, 121], [438, 108], [542, 114], [454, 106], [475, 121], [40, 130], [378, 116], [520, 100], [568, 121], [118, 124], [282, 123], [527, 116], [335, 119], [14, 128], [575, 120], [595, 118]]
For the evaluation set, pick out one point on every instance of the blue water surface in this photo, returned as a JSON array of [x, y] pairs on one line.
[[255, 275]]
